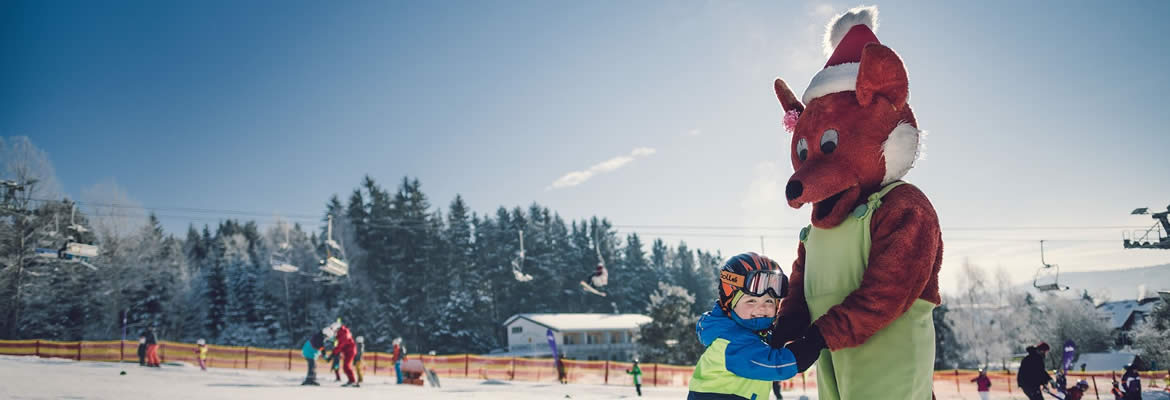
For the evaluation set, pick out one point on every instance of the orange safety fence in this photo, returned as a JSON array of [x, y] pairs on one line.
[[499, 368]]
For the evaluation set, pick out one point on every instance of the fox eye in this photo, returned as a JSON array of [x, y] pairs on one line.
[[829, 141], [802, 149]]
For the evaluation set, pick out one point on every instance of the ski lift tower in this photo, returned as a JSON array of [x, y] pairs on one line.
[[8, 190], [1157, 237]]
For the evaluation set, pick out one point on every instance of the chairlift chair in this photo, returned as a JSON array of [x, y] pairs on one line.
[[281, 265], [1048, 270], [518, 263], [333, 265], [1156, 237]]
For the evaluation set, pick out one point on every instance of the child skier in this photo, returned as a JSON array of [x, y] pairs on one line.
[[313, 348], [739, 362], [1077, 391], [335, 361], [142, 350], [637, 373], [1118, 394], [397, 356], [201, 353], [357, 359], [983, 383]]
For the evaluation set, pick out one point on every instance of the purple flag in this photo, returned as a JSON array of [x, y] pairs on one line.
[[1070, 352], [552, 343]]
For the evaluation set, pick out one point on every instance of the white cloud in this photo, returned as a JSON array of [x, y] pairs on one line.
[[643, 151], [575, 178]]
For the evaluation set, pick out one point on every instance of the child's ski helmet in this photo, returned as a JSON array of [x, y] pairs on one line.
[[753, 274], [360, 339], [200, 342]]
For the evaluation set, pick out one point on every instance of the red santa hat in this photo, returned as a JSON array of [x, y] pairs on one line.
[[845, 37]]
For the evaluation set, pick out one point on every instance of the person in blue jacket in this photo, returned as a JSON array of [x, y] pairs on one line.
[[313, 349], [739, 363]]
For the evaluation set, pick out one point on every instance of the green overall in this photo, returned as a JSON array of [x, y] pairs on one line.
[[897, 362]]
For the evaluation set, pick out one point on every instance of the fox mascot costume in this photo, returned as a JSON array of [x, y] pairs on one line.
[[865, 280]]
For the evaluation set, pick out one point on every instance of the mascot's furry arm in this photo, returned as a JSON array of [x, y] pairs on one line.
[[904, 260]]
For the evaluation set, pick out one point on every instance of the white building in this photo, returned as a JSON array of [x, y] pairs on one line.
[[579, 336]]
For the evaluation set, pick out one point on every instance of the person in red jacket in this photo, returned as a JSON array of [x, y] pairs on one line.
[[1078, 391], [348, 349], [984, 384]]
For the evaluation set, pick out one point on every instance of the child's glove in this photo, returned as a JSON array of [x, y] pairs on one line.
[[808, 348], [788, 329]]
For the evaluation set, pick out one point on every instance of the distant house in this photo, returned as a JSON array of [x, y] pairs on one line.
[[578, 336], [1126, 315]]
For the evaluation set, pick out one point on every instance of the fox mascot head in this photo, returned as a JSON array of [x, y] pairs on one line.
[[853, 131]]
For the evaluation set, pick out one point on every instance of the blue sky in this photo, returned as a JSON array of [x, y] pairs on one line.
[[1041, 114]]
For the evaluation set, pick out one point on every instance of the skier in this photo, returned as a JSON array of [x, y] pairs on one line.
[[347, 349], [1032, 375], [151, 348], [397, 355], [1118, 394], [334, 361], [595, 281], [637, 373], [1060, 382], [142, 350], [312, 349], [201, 353], [1077, 391], [357, 359], [1132, 382], [738, 361], [983, 383]]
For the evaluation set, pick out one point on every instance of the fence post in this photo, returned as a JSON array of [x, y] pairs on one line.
[[513, 375], [803, 383], [957, 381], [606, 372], [290, 359], [79, 351], [122, 352], [655, 374], [1095, 391], [245, 357], [38, 348], [375, 364], [466, 364]]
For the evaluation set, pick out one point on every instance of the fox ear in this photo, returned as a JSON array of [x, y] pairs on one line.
[[787, 99], [882, 74]]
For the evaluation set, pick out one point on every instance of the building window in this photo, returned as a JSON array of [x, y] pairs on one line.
[[517, 329]]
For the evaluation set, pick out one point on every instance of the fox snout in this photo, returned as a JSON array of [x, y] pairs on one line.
[[793, 190]]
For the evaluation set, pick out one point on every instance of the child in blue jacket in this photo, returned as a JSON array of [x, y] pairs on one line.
[[739, 363]]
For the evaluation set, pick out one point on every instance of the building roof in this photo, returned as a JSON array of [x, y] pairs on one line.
[[584, 322], [1120, 311], [1103, 361]]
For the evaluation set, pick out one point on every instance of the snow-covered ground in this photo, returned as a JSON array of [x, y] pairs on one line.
[[45, 378]]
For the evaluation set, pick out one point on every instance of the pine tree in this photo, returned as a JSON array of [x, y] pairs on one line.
[[670, 337]]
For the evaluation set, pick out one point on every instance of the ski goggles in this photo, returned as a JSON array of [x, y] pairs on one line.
[[757, 282]]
